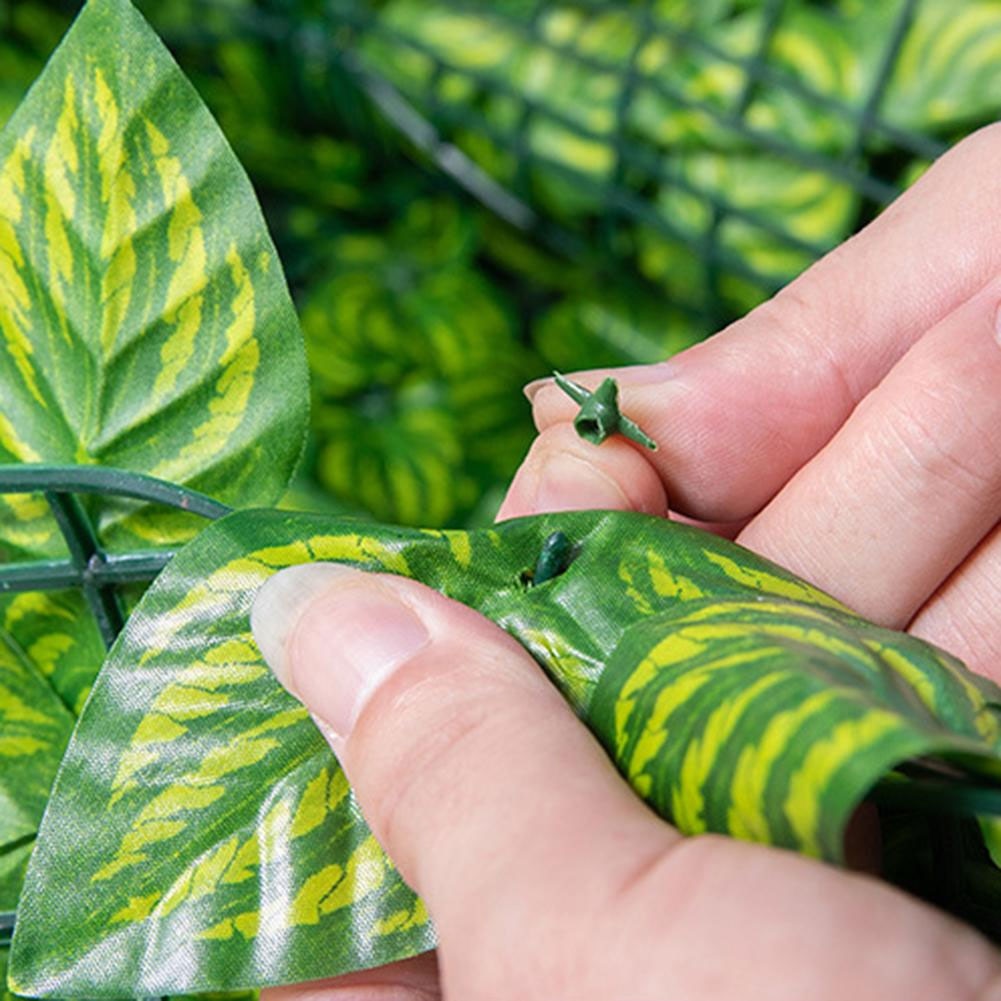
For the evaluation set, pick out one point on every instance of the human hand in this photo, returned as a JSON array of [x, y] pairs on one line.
[[849, 427], [546, 877]]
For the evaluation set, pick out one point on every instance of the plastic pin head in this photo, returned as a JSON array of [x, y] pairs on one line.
[[599, 415], [557, 553]]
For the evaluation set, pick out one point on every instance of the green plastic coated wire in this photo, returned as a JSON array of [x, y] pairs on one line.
[[96, 572]]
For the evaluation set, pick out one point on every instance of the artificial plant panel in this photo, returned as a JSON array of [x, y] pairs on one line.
[[144, 318], [201, 833]]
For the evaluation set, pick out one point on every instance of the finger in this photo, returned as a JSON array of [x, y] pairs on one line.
[[909, 485], [470, 768], [962, 616], [413, 979], [736, 416], [564, 473]]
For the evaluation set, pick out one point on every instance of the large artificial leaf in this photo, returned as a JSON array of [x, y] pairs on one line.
[[768, 718], [144, 323], [144, 319], [201, 834]]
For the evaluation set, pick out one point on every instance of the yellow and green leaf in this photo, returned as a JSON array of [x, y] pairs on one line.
[[144, 324], [144, 319], [201, 834], [770, 720], [34, 728]]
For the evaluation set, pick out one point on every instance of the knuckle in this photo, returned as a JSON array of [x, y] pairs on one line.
[[946, 451], [800, 316]]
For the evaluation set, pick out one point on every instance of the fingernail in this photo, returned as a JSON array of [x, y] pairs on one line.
[[531, 388], [628, 375], [332, 635], [567, 483]]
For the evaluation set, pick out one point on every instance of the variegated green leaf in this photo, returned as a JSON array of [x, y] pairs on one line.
[[58, 635], [201, 834], [770, 720], [416, 370], [144, 319], [34, 729], [946, 71]]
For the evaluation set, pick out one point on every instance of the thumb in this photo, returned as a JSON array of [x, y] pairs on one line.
[[490, 796]]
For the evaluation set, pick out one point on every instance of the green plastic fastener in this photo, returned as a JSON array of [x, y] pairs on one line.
[[556, 555], [599, 415]]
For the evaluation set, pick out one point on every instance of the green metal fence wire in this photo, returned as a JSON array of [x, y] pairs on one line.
[[97, 573]]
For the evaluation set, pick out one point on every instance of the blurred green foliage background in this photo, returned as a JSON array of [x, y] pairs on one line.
[[468, 194]]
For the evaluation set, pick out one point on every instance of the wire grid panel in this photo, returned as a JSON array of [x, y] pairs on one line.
[[718, 147], [97, 573]]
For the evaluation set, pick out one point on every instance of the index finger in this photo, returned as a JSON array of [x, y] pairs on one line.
[[737, 415]]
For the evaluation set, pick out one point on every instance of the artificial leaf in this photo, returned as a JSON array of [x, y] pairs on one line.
[[34, 729], [945, 72], [58, 635], [769, 719], [144, 319], [201, 834]]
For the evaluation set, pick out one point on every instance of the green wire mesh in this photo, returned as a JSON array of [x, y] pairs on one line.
[[98, 574], [687, 186]]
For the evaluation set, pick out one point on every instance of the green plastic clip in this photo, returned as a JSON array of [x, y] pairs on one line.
[[599, 415], [557, 554]]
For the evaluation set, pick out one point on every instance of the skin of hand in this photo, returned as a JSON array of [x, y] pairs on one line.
[[849, 430]]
